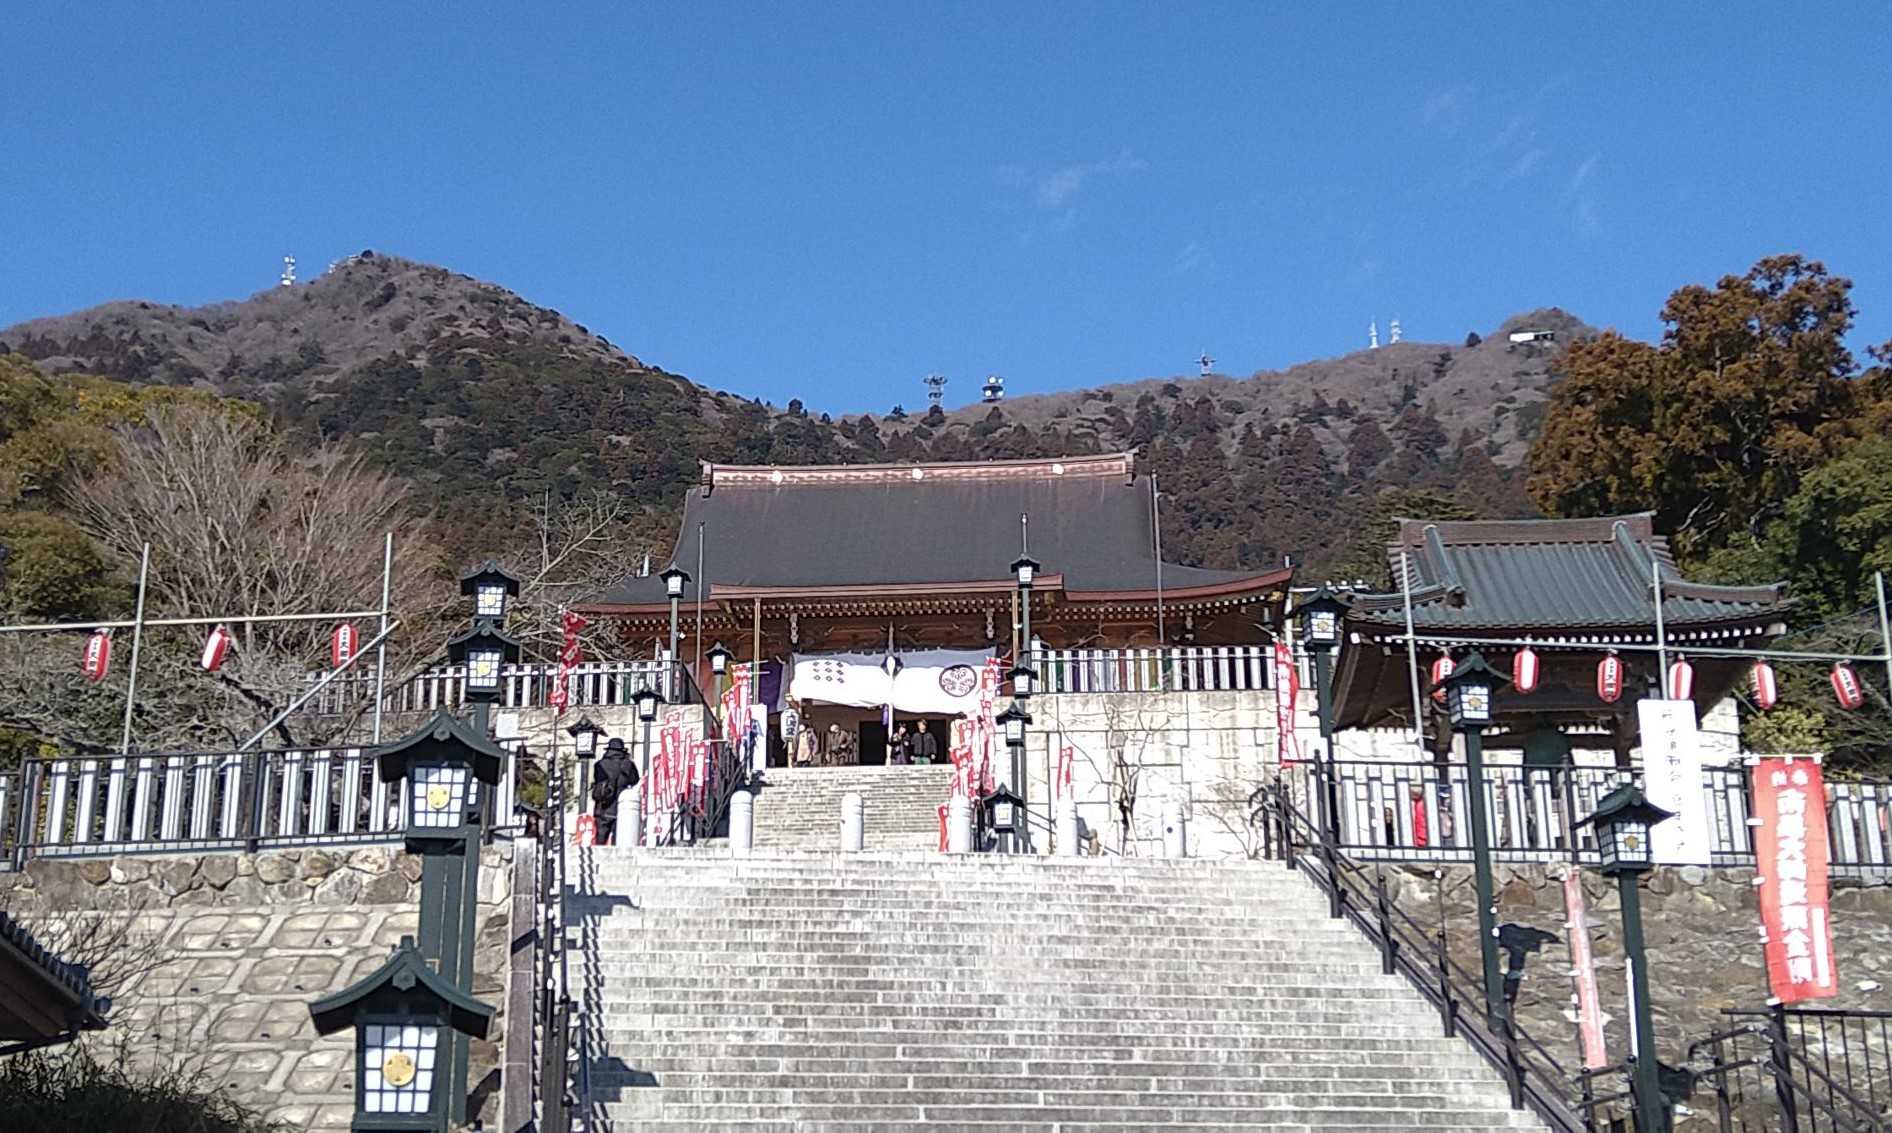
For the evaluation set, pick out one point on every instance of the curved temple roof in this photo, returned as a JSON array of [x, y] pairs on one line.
[[949, 526], [1536, 575]]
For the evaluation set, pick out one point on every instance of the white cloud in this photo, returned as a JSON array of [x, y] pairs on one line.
[[1055, 187]]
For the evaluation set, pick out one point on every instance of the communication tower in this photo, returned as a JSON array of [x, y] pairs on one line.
[[994, 388], [1205, 362], [935, 388], [1373, 335], [288, 271], [1392, 335]]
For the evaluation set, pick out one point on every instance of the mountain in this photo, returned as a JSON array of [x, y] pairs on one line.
[[485, 400]]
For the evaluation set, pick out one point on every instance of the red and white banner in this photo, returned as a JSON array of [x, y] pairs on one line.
[[1589, 1008], [1790, 856], [1681, 679], [570, 655], [98, 656], [586, 832], [1287, 684], [1061, 788], [216, 648]]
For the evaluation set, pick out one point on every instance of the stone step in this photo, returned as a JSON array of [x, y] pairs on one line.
[[1364, 1112]]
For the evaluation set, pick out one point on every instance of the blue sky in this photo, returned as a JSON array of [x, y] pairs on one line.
[[829, 201]]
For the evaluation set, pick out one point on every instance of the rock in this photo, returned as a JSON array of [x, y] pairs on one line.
[[273, 869], [1693, 875], [317, 865], [386, 889], [372, 859], [243, 891], [124, 871], [246, 865], [218, 870], [286, 893], [495, 885], [95, 872], [173, 875], [409, 865], [342, 888], [195, 898]]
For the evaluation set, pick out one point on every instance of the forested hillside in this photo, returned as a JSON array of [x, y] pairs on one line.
[[490, 405]]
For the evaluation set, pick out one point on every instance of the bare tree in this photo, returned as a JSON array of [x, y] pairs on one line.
[[238, 525]]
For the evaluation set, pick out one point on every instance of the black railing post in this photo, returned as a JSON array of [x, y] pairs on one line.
[[1448, 1009], [253, 761], [1387, 946], [1284, 809], [1513, 1065], [1780, 1062]]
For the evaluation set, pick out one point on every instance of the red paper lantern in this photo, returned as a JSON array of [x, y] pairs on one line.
[[216, 648], [1846, 686], [1441, 669], [98, 656], [1766, 692], [1524, 670], [1681, 679], [1609, 679], [341, 645]]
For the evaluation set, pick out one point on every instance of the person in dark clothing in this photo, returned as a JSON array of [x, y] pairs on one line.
[[613, 775], [923, 745], [899, 747]]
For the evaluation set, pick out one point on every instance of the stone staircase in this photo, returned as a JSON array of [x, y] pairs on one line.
[[817, 991], [799, 808]]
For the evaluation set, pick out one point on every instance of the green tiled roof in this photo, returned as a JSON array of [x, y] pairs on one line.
[[1552, 574]]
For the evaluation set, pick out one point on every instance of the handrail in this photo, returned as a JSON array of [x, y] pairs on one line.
[[1532, 1073]]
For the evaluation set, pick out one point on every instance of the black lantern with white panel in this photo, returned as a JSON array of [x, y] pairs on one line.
[[584, 736], [444, 772], [490, 588], [485, 650], [1469, 692], [676, 580], [719, 656], [1321, 615], [1024, 680], [1004, 814], [1624, 821], [1025, 571], [407, 1020]]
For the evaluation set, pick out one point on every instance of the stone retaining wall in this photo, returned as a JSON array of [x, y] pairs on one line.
[[228, 949], [1702, 931]]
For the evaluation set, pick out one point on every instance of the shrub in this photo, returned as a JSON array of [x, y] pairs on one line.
[[55, 1091]]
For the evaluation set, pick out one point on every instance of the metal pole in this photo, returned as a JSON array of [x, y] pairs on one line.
[[1885, 627], [701, 583], [1651, 1110], [671, 657], [381, 650], [1662, 650], [315, 688], [1487, 891], [1412, 656], [1156, 540], [137, 639]]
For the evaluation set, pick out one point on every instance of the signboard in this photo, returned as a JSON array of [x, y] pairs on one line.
[[1589, 1009], [1671, 779], [1790, 856]]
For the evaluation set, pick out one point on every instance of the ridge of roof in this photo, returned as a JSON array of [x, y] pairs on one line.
[[1103, 465]]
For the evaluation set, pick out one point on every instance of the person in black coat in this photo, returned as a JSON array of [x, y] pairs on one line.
[[923, 745], [613, 775]]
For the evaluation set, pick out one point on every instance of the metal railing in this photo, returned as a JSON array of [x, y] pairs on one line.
[[1798, 1071], [591, 684], [1183, 668], [727, 770], [1414, 811], [1359, 893], [189, 801], [554, 1013]]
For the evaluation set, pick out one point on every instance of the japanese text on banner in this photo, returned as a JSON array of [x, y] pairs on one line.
[[1790, 855]]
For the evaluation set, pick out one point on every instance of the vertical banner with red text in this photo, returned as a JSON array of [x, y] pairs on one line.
[[1287, 688], [1790, 855], [1583, 974]]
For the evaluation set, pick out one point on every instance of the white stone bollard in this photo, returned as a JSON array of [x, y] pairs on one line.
[[1175, 842], [1067, 827], [741, 823], [631, 819], [959, 825], [853, 822]]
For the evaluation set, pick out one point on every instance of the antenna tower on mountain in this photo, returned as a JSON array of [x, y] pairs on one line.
[[994, 388], [288, 271], [1205, 362], [935, 388], [1392, 335], [1373, 335]]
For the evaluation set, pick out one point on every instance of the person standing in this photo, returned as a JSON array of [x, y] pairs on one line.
[[924, 745], [614, 774], [898, 751]]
